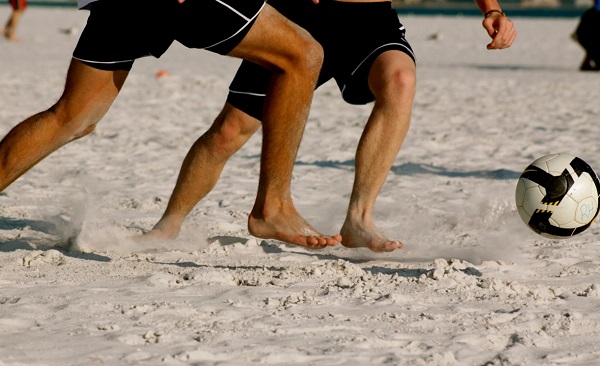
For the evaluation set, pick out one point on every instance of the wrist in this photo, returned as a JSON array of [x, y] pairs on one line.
[[487, 14]]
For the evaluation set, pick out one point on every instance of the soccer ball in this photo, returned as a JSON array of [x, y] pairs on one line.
[[557, 196]]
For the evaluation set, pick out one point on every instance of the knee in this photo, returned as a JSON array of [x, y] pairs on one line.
[[231, 130], [397, 84], [402, 80], [313, 56], [73, 123], [89, 129], [306, 57]]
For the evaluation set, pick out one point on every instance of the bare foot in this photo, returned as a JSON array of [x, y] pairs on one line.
[[360, 235], [161, 231], [291, 228], [10, 35]]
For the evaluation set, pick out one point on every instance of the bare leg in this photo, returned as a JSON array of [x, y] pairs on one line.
[[295, 71], [232, 128], [87, 96], [202, 168], [6, 27], [392, 79], [10, 30]]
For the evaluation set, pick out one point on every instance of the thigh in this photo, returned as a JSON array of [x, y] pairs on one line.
[[305, 13], [273, 41], [89, 92], [249, 87]]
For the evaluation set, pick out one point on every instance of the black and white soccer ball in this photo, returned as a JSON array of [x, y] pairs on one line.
[[557, 196]]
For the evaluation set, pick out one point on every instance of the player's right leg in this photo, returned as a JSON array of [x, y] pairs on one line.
[[393, 81], [202, 168], [295, 59], [88, 94], [373, 62]]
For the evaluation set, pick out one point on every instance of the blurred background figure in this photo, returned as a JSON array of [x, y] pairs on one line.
[[10, 29], [587, 35]]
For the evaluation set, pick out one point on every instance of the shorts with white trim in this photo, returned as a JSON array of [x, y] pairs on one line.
[[120, 31], [352, 35], [356, 33], [249, 87]]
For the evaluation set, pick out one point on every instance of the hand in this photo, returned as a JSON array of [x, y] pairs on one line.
[[501, 29]]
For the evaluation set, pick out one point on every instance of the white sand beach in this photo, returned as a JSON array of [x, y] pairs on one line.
[[473, 285]]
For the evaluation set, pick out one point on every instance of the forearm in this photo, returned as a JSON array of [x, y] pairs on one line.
[[487, 5]]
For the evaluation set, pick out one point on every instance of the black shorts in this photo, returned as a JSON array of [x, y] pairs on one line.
[[249, 86], [356, 34], [352, 35], [120, 31]]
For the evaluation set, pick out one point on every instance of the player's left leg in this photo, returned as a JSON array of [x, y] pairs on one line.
[[202, 168], [392, 80], [10, 29]]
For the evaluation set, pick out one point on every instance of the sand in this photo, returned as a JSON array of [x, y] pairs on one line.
[[473, 285]]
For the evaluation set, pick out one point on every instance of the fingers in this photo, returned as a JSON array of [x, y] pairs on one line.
[[502, 31]]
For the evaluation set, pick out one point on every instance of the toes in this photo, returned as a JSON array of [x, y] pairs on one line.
[[312, 241], [316, 244], [319, 242], [390, 246]]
